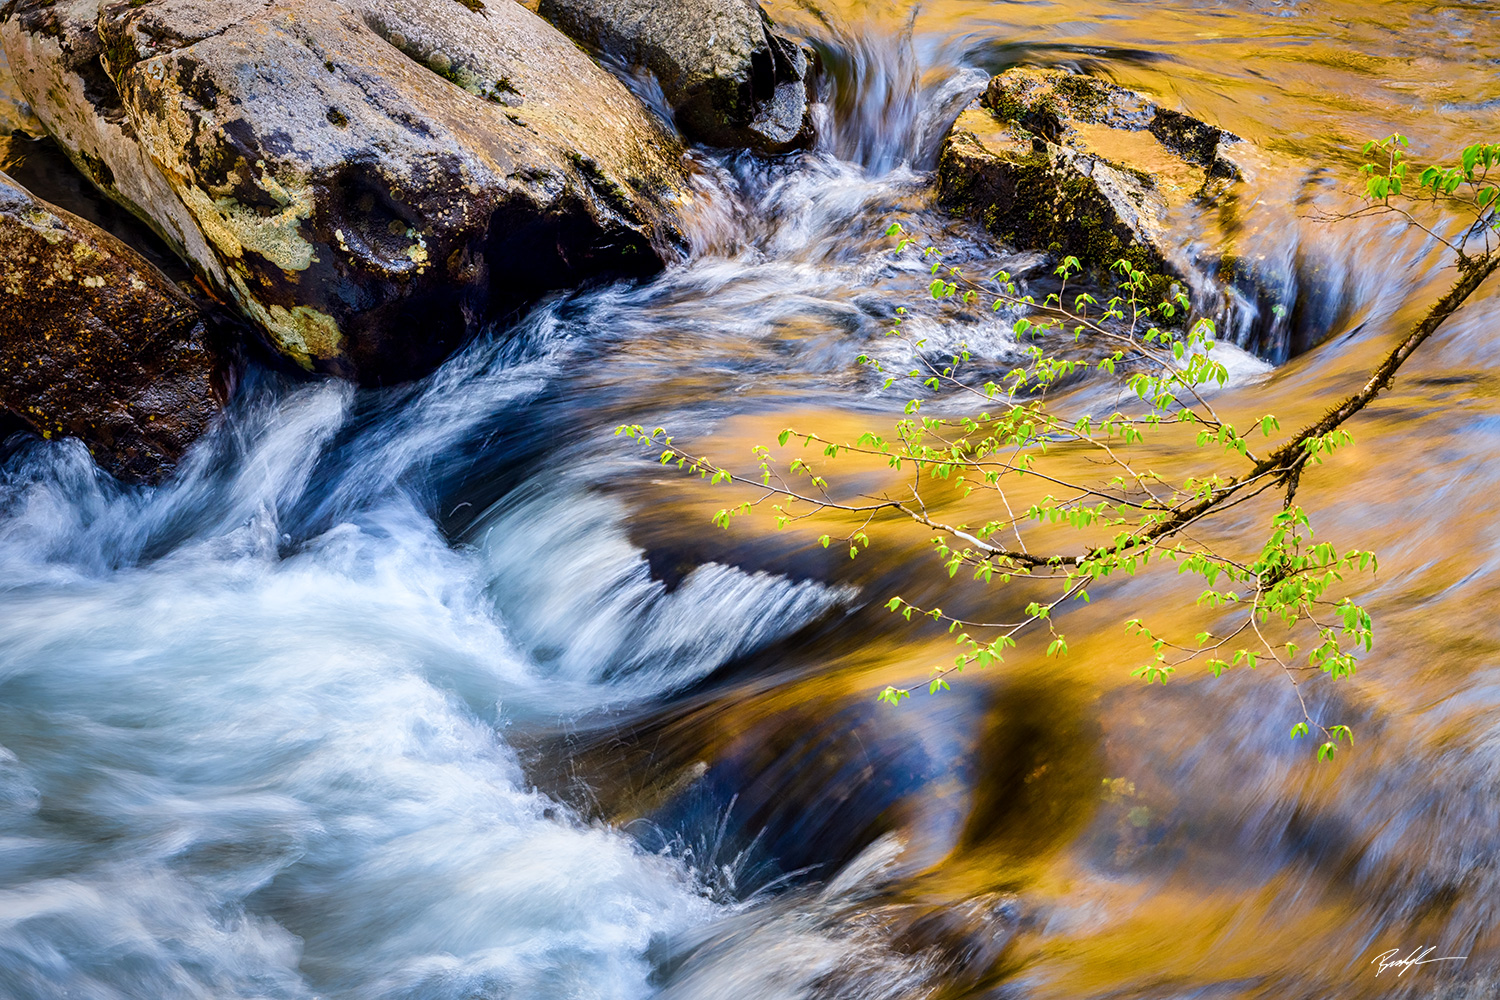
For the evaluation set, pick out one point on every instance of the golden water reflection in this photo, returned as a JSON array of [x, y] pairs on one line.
[[1158, 842]]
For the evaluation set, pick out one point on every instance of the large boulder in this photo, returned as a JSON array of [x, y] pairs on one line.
[[97, 344], [729, 78], [370, 180], [1069, 164]]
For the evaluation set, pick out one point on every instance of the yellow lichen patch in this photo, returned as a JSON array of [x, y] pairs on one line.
[[50, 230], [305, 333], [233, 228], [418, 251], [302, 333]]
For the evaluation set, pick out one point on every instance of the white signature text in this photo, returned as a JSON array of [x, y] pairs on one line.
[[1392, 960]]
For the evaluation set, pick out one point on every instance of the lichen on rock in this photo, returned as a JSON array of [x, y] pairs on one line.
[[1072, 165], [369, 180]]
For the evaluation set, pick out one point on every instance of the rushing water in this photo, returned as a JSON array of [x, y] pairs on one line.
[[439, 692]]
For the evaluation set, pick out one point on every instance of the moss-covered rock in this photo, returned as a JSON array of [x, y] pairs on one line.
[[97, 344], [729, 78], [369, 180], [1095, 116], [1072, 165], [1037, 195]]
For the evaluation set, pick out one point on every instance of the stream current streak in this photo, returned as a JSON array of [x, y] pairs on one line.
[[258, 727]]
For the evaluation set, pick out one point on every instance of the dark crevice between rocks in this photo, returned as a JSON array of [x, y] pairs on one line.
[[788, 58], [529, 256], [16, 433], [100, 91], [764, 71], [41, 166], [385, 344]]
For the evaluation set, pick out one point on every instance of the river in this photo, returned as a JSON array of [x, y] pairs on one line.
[[441, 692]]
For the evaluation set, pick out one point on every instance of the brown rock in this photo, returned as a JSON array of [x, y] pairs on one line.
[[1073, 165], [369, 180], [730, 78], [96, 344]]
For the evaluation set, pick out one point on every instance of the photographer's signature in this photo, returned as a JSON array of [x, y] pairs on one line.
[[1392, 960]]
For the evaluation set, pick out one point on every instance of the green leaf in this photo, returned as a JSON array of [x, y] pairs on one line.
[[1469, 158]]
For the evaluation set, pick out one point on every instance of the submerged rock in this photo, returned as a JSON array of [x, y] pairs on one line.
[[15, 113], [729, 78], [1069, 164], [369, 181], [97, 344]]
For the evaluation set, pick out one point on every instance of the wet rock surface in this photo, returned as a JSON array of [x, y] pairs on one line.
[[97, 344], [369, 182], [1070, 164], [729, 78], [15, 112]]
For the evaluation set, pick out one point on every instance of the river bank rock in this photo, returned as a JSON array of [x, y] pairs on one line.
[[97, 344], [369, 180], [1069, 164], [729, 78]]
